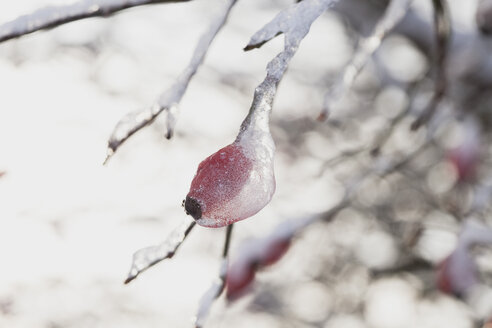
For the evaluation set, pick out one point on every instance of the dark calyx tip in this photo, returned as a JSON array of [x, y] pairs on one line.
[[193, 208]]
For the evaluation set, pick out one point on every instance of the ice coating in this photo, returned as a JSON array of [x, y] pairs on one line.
[[168, 101], [52, 16], [232, 184]]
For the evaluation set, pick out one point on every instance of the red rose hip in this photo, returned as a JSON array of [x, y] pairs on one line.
[[237, 181]]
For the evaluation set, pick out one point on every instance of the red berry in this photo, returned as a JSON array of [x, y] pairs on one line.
[[465, 158], [442, 278], [465, 162], [274, 251], [239, 278], [231, 185]]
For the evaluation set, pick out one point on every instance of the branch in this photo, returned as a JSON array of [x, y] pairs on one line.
[[168, 100], [411, 265], [150, 256], [294, 22], [52, 16], [217, 287], [394, 13], [442, 30], [385, 135]]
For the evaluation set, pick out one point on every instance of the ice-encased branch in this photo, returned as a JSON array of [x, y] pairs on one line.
[[393, 14], [442, 31], [169, 99], [294, 22], [218, 285], [150, 256], [52, 16]]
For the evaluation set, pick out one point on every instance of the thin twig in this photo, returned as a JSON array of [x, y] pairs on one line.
[[442, 30], [168, 100], [150, 256], [217, 287], [411, 265], [385, 135], [380, 168], [395, 11], [341, 158], [52, 16]]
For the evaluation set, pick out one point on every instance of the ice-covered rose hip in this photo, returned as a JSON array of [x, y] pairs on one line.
[[238, 180], [259, 253]]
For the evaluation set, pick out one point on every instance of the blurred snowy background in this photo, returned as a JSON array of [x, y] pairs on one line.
[[69, 226]]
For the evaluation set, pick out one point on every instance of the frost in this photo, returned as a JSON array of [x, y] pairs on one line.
[[149, 256], [52, 16], [294, 22], [169, 99], [211, 295], [217, 287]]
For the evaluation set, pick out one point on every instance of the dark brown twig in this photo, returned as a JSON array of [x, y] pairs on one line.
[[53, 16], [150, 256], [217, 287], [442, 30]]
